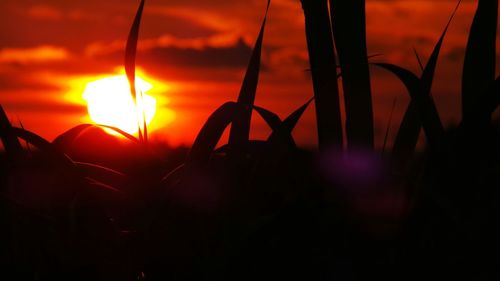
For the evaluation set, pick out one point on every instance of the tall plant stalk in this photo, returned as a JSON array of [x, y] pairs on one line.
[[479, 65], [349, 31], [324, 73]]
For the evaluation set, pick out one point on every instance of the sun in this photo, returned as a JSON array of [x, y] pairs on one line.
[[109, 102]]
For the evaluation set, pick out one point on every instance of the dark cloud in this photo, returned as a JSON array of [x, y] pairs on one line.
[[234, 56]]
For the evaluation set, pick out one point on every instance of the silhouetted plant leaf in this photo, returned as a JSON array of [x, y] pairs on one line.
[[496, 90], [240, 129], [11, 144], [386, 136], [430, 67], [99, 168], [131, 50], [65, 139], [420, 64], [479, 62], [409, 131], [284, 131], [212, 131], [102, 185], [43, 145], [424, 104], [271, 118]]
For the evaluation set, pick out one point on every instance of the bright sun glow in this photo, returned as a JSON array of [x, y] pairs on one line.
[[109, 103]]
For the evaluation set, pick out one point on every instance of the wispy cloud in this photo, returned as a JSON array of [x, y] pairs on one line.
[[33, 55], [45, 12]]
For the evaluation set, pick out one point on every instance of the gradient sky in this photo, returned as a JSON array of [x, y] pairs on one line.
[[198, 51]]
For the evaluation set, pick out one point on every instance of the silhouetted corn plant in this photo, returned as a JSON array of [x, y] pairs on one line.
[[348, 22], [324, 73]]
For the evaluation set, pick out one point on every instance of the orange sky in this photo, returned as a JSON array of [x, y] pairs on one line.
[[198, 51]]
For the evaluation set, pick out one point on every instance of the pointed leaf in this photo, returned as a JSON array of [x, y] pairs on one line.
[[284, 131], [418, 60], [240, 129], [131, 50], [271, 118], [11, 143], [430, 68]]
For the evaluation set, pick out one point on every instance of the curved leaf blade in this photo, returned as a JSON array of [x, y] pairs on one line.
[[131, 50], [65, 139], [424, 104], [212, 131]]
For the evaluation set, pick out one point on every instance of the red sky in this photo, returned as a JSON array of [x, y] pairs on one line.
[[199, 49]]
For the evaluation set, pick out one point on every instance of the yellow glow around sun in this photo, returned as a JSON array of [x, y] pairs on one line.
[[109, 102]]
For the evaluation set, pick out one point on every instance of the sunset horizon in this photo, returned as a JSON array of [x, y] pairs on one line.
[[199, 61]]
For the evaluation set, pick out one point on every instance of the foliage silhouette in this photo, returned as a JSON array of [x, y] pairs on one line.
[[267, 209]]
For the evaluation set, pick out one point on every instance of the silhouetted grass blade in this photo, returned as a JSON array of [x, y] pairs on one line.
[[121, 132], [349, 32], [420, 64], [102, 185], [479, 63], [388, 129], [42, 144], [67, 138], [100, 168], [131, 50], [212, 131], [291, 121], [424, 104], [430, 68], [324, 72], [11, 144], [496, 92], [284, 131], [240, 129], [271, 118], [407, 136]]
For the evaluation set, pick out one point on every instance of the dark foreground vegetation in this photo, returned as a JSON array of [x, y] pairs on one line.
[[88, 206]]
